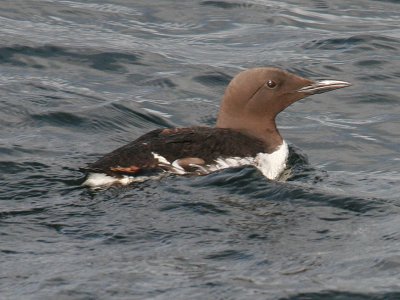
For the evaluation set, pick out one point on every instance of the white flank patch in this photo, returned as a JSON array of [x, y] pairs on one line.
[[177, 168], [161, 159], [230, 162], [100, 180], [271, 165]]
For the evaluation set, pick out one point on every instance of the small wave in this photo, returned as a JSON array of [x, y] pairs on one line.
[[108, 8], [22, 212], [40, 57], [213, 79], [343, 295], [356, 43], [59, 119], [226, 5]]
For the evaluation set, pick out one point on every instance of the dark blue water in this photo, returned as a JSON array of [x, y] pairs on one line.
[[80, 78]]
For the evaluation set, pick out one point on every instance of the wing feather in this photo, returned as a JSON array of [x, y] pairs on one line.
[[203, 143]]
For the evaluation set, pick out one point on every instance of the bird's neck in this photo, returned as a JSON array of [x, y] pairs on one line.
[[264, 130]]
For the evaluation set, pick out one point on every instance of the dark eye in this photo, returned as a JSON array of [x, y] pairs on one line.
[[271, 84]]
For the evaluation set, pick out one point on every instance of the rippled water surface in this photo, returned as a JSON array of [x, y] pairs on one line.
[[80, 78]]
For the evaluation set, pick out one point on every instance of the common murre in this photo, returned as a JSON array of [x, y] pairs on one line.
[[245, 133]]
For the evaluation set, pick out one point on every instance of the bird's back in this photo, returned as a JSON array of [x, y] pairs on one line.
[[159, 147]]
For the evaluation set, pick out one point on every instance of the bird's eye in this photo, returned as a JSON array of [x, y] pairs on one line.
[[271, 84]]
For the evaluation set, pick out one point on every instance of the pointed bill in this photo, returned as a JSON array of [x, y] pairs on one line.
[[323, 86]]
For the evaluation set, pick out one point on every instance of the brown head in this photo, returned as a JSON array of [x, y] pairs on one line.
[[256, 96]]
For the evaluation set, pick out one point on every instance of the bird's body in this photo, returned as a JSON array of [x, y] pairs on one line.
[[245, 134], [196, 150]]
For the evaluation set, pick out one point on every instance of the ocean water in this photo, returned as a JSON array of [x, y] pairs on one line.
[[81, 78]]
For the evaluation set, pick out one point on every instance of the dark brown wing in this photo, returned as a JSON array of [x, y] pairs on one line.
[[203, 143]]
